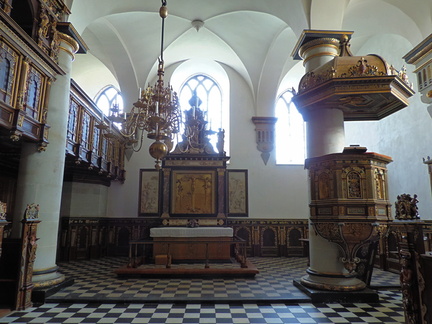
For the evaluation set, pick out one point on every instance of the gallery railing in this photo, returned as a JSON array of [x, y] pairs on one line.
[[87, 147]]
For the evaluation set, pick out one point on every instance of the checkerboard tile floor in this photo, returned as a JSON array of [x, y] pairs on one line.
[[98, 296], [96, 280], [388, 311]]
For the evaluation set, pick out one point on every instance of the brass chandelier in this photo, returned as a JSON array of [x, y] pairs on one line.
[[157, 112]]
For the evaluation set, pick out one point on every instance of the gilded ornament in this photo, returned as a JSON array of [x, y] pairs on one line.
[[406, 207], [379, 183], [354, 185], [15, 137], [349, 236], [20, 121], [163, 11], [43, 26], [158, 150], [42, 147], [31, 212], [7, 7], [362, 68], [3, 209]]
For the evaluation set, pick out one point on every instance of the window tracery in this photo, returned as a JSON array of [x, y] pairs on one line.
[[290, 131], [205, 91]]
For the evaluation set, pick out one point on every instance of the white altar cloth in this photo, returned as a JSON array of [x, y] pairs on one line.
[[191, 232]]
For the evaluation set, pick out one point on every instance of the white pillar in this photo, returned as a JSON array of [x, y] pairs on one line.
[[325, 135], [325, 132], [40, 177]]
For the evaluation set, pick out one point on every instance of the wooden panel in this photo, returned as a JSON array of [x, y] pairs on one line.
[[426, 263], [181, 249]]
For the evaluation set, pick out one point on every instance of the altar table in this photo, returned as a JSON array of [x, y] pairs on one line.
[[197, 243]]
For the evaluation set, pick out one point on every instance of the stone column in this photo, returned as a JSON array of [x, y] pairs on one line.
[[325, 135], [40, 177]]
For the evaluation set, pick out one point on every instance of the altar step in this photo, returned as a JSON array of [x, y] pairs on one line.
[[186, 270]]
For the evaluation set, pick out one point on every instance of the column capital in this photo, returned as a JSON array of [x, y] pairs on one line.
[[72, 44], [318, 37]]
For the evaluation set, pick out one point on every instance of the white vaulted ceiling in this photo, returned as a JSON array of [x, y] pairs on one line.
[[255, 38]]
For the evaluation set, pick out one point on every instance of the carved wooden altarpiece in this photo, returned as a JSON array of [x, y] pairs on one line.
[[194, 188], [193, 176]]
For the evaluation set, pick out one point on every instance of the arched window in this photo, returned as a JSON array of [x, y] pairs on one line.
[[290, 131], [108, 98], [209, 95]]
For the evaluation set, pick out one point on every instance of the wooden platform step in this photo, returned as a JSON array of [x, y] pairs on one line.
[[188, 270]]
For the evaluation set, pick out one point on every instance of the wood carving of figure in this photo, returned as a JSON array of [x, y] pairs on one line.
[[32, 247], [207, 190], [354, 189], [221, 142], [43, 26], [379, 184], [55, 41], [3, 208], [413, 207], [195, 137], [403, 75]]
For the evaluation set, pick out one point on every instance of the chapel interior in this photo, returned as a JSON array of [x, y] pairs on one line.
[[165, 133]]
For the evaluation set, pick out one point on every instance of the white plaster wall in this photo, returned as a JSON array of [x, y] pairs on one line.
[[83, 200], [274, 191], [123, 198]]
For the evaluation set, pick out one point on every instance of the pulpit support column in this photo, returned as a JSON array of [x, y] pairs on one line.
[[348, 186], [325, 135]]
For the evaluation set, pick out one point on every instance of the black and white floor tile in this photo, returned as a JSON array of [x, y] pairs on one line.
[[98, 296], [274, 282]]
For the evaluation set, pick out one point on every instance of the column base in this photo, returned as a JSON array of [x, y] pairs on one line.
[[47, 283], [365, 295], [47, 278], [39, 295], [332, 282]]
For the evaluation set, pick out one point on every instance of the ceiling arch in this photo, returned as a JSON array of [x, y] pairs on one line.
[[254, 38]]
